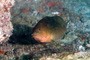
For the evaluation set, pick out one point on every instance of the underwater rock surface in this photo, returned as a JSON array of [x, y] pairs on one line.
[[6, 26], [68, 56], [25, 14]]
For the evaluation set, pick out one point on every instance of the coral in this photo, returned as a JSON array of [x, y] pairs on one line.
[[5, 23]]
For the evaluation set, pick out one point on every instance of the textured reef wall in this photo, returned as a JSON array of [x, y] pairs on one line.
[[5, 23], [25, 14]]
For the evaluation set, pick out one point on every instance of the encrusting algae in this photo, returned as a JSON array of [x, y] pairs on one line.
[[49, 28]]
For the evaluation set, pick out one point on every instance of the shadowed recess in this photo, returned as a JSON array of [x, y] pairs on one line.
[[22, 35]]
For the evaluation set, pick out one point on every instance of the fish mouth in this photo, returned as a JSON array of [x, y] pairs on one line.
[[33, 34], [37, 37], [40, 38]]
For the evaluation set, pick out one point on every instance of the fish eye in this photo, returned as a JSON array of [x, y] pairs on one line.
[[39, 29]]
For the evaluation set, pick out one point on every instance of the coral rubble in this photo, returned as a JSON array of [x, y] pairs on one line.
[[68, 56]]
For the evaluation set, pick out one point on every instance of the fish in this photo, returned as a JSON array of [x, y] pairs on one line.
[[49, 28]]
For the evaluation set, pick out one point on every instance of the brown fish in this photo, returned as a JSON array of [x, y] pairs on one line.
[[49, 28]]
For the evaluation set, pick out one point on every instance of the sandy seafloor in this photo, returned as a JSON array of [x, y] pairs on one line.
[[26, 13]]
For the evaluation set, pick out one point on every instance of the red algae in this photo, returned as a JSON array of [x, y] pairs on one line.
[[2, 52], [61, 14], [60, 3], [44, 3], [25, 10], [83, 37], [51, 4], [41, 9]]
